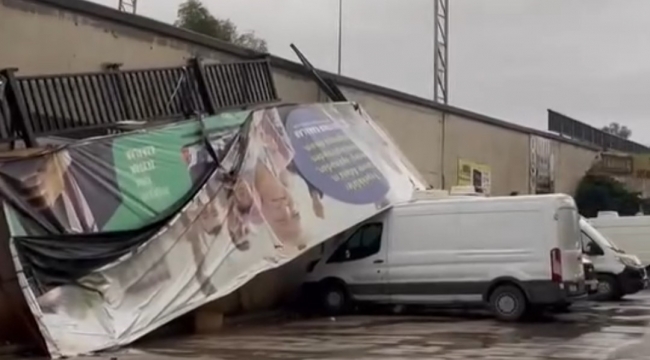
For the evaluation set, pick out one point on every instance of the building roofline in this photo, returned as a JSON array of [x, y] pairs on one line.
[[161, 28]]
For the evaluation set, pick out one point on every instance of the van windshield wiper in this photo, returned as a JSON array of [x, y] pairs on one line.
[[617, 250]]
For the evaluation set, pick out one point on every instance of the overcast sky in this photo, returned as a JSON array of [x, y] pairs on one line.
[[511, 59]]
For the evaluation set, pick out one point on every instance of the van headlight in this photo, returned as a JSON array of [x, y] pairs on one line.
[[628, 262]]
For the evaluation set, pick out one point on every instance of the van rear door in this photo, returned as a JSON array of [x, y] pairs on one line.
[[566, 259]]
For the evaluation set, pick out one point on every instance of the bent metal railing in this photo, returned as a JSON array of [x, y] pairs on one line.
[[74, 104]]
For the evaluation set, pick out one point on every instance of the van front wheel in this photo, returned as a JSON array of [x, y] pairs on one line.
[[608, 288], [334, 299], [508, 303]]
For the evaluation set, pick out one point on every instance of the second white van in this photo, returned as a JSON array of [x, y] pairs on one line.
[[631, 233], [512, 253], [619, 274]]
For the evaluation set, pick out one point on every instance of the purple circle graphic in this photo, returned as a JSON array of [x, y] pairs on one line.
[[332, 162]]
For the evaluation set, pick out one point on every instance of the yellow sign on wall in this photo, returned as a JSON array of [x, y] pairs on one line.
[[641, 166], [474, 174]]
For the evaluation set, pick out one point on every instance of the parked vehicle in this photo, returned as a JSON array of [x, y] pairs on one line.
[[591, 280], [631, 233], [512, 253], [618, 273], [591, 283], [455, 192]]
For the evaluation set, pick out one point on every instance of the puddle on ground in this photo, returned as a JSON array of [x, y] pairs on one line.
[[592, 332]]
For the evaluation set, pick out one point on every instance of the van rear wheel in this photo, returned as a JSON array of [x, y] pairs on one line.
[[334, 299], [508, 303]]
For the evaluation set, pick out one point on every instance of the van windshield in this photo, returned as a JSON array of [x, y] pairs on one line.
[[600, 238]]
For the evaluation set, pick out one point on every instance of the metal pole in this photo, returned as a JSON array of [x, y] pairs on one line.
[[340, 33], [440, 51], [435, 50], [446, 15], [129, 6]]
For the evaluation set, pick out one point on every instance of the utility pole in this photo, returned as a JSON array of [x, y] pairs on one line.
[[129, 6], [440, 51], [340, 33]]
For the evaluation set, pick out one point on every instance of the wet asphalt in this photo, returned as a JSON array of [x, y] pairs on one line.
[[618, 330]]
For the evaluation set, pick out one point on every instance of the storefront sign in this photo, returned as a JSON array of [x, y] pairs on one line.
[[542, 177], [641, 166], [616, 164], [475, 174]]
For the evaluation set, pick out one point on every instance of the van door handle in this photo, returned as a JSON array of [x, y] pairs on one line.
[[378, 261]]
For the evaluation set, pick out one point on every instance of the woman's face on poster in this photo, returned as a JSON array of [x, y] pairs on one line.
[[50, 301], [44, 185], [243, 195], [193, 209], [269, 141], [277, 204], [274, 143], [237, 227], [211, 220]]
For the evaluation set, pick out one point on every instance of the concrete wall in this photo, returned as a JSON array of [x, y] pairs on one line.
[[571, 164], [294, 88], [47, 40], [55, 36], [505, 151]]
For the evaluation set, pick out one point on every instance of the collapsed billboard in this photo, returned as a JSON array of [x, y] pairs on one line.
[[113, 237]]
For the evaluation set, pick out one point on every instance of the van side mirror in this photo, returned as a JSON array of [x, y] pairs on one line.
[[593, 250]]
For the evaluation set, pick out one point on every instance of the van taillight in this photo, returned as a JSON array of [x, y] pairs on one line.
[[556, 265]]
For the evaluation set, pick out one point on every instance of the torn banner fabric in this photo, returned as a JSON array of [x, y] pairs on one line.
[[117, 236]]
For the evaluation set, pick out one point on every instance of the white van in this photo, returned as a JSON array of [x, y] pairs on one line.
[[631, 233], [513, 253], [618, 273]]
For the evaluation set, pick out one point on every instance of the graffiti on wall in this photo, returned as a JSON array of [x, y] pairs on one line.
[[542, 166]]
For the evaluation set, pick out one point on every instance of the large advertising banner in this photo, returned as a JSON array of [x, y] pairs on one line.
[[475, 174], [153, 225], [116, 183]]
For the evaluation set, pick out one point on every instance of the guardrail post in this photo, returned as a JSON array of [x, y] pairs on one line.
[[202, 82], [245, 83], [123, 93], [269, 73], [18, 108]]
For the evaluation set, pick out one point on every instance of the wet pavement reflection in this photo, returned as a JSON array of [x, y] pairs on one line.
[[590, 331]]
